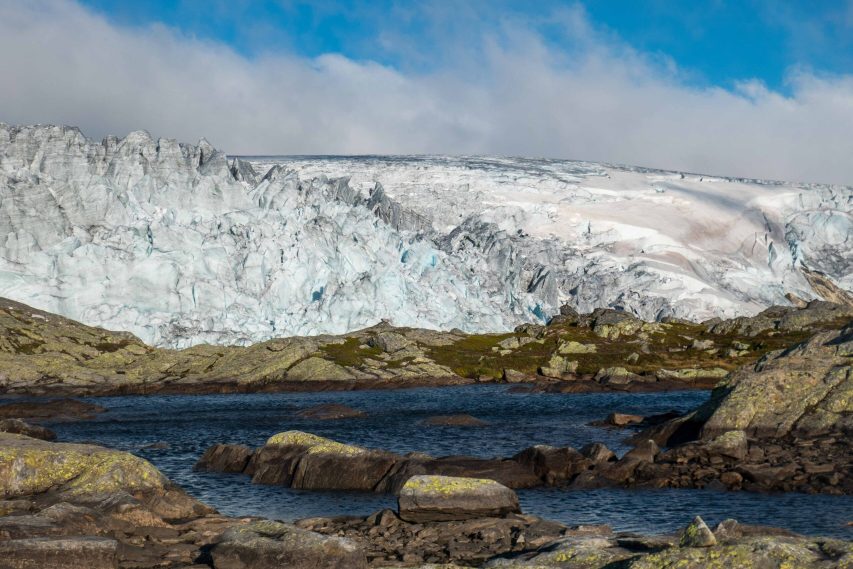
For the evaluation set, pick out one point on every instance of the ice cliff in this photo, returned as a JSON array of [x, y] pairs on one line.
[[183, 245]]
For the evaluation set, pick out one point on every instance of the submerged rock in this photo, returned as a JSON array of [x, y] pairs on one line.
[[329, 412], [446, 498], [455, 421]]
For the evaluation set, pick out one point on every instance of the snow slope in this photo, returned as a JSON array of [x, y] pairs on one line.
[[181, 245]]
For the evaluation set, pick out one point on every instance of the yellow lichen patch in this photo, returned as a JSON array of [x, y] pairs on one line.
[[315, 444], [28, 466], [447, 485]]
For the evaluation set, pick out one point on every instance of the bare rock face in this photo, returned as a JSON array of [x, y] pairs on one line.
[[225, 458], [804, 391], [446, 498], [266, 544]]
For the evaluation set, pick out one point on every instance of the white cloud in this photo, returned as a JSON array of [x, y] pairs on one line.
[[601, 100]]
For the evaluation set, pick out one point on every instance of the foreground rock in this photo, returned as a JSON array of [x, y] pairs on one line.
[[266, 544], [86, 507], [445, 498]]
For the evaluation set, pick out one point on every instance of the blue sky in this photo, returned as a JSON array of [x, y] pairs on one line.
[[757, 88], [711, 41]]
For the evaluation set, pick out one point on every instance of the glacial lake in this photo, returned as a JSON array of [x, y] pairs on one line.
[[191, 423]]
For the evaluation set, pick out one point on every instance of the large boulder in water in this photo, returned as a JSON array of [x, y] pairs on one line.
[[224, 458], [446, 498], [266, 544], [307, 461], [19, 427], [77, 472], [804, 391]]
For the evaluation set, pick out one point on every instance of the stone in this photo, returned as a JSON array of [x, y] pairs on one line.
[[612, 324], [59, 553], [623, 419], [691, 374], [19, 427], [389, 342], [598, 453], [697, 534], [224, 458], [329, 412], [552, 465], [645, 451], [455, 421], [732, 444], [443, 498], [306, 461], [515, 376], [615, 376], [558, 366], [266, 544]]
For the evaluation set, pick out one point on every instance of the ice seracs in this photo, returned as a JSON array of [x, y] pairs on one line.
[[182, 245]]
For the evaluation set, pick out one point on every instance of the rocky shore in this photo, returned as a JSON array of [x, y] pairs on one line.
[[45, 354], [75, 506], [783, 424]]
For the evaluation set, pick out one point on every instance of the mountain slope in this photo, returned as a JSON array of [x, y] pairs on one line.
[[181, 245]]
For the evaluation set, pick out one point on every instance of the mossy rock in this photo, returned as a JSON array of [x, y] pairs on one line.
[[30, 466], [425, 498]]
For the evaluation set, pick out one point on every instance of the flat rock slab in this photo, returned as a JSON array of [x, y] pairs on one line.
[[59, 553], [427, 498]]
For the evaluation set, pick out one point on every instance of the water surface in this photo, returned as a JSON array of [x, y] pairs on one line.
[[191, 423]]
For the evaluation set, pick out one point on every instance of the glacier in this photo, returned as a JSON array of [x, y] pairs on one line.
[[181, 244]]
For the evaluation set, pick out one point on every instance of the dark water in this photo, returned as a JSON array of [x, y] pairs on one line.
[[189, 424]]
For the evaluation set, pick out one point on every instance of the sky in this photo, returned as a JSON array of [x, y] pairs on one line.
[[754, 88]]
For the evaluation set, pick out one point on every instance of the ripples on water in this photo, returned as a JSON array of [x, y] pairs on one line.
[[191, 423]]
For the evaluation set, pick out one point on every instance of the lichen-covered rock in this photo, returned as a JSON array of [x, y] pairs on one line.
[[444, 498], [266, 544], [558, 366], [615, 376], [573, 347], [805, 391], [691, 373], [697, 534], [78, 472], [307, 461]]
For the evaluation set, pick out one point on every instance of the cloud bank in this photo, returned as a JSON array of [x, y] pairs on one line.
[[509, 92]]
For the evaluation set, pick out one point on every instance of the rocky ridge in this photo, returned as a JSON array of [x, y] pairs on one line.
[[46, 354]]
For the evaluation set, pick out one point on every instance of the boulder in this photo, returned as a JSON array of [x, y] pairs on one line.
[[389, 342], [732, 444], [612, 324], [59, 553], [621, 420], [76, 472], [19, 427], [804, 391], [573, 347], [515, 376], [553, 465], [697, 534], [615, 376], [266, 544], [558, 366], [444, 498], [306, 461], [224, 458], [598, 453]]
